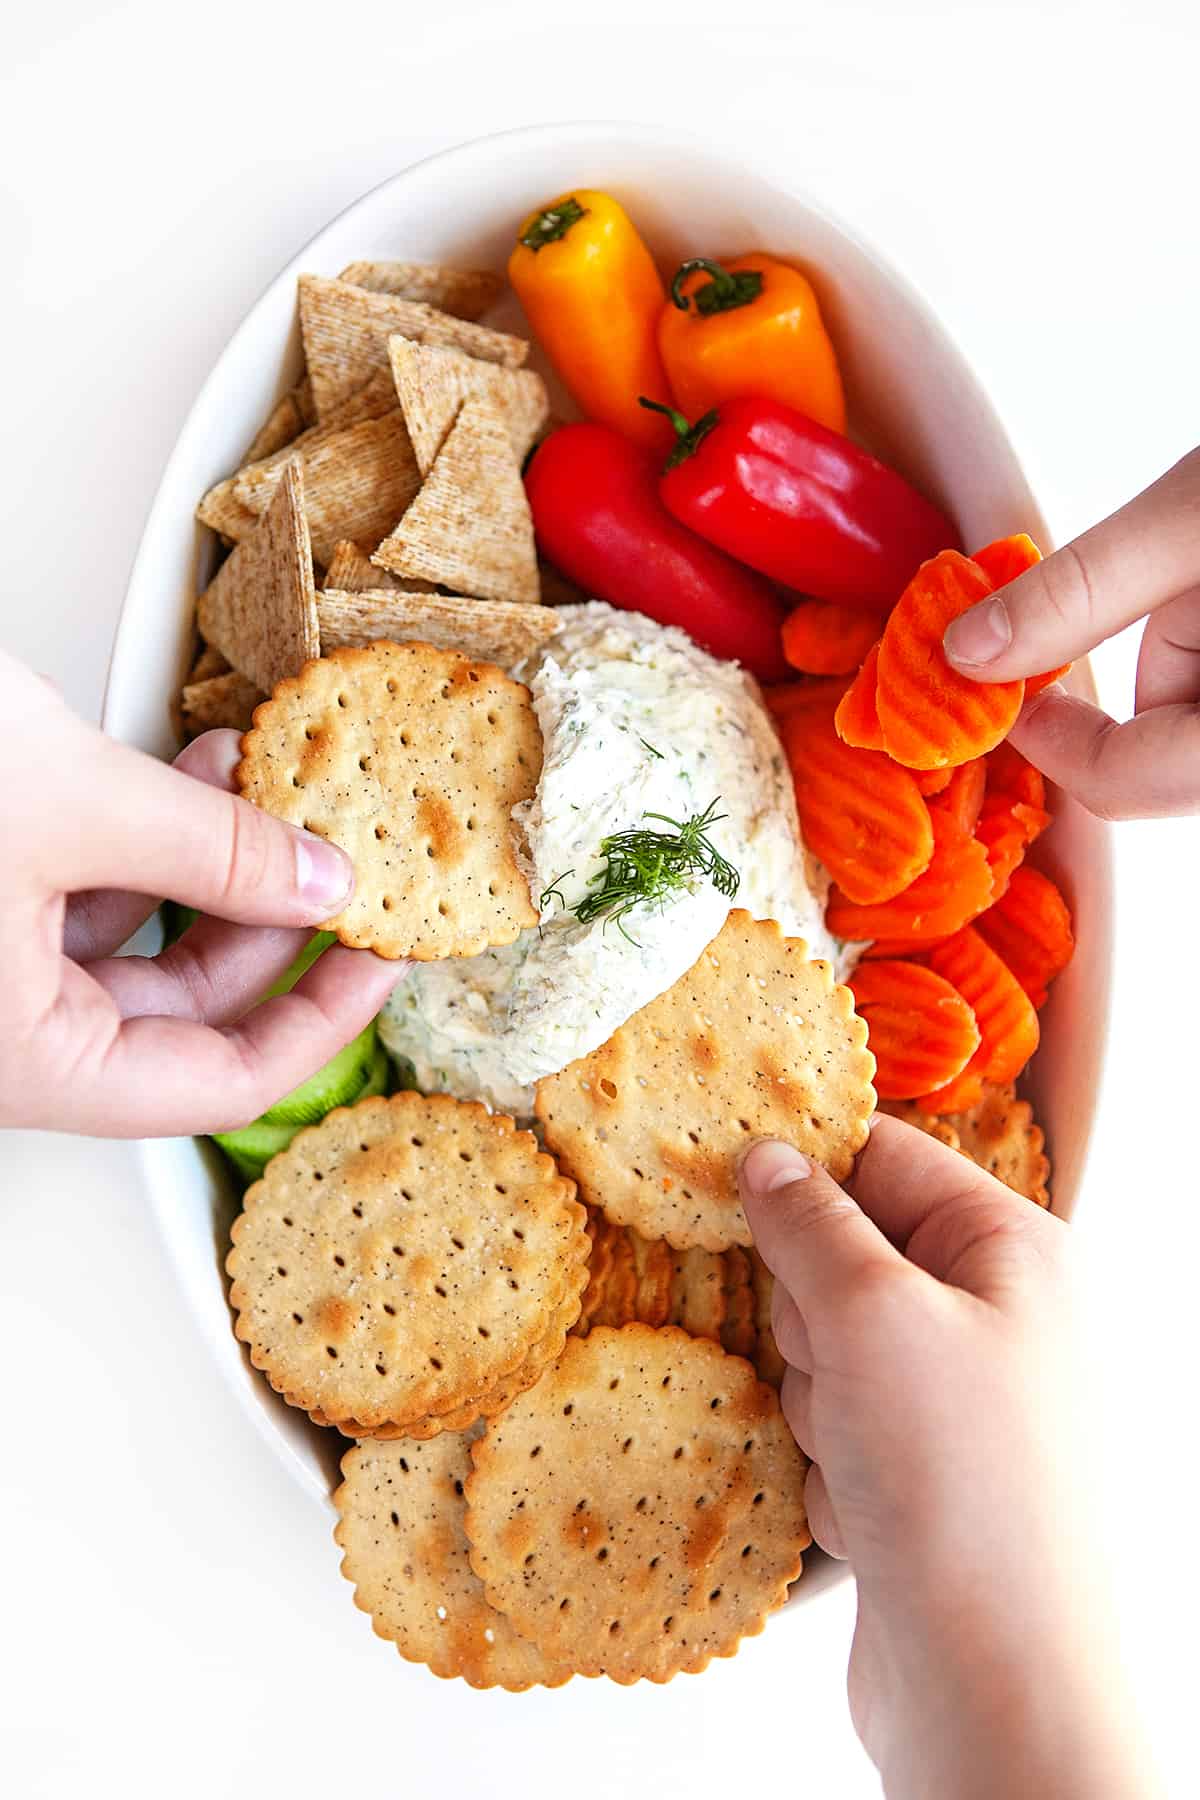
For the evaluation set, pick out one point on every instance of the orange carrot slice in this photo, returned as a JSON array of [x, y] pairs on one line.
[[1013, 813], [920, 1030], [1029, 927], [933, 717], [893, 949], [793, 696], [962, 796], [954, 888], [1008, 1024], [857, 720], [933, 781], [959, 1095], [823, 638], [859, 811], [1002, 562]]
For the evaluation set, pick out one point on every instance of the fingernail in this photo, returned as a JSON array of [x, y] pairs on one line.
[[324, 875], [768, 1167], [979, 636]]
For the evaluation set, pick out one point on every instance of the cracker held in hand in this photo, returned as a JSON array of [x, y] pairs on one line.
[[755, 1041], [261, 610], [402, 1257], [470, 528], [411, 759], [467, 293], [432, 384], [401, 1517], [496, 631], [642, 1508]]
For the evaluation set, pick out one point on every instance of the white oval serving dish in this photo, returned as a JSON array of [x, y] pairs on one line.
[[913, 397]]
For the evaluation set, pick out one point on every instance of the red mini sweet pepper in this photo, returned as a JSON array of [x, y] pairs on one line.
[[594, 495], [799, 502]]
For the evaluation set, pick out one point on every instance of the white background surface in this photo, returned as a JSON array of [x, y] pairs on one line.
[[171, 1617]]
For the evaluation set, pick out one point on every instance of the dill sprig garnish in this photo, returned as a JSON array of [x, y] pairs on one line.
[[642, 866]]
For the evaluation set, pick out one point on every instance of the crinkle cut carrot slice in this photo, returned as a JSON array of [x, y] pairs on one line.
[[860, 812], [856, 719], [933, 781], [1008, 1024], [793, 696], [1029, 928], [933, 717], [956, 887], [962, 796], [921, 1031], [1013, 813], [1002, 562], [822, 638]]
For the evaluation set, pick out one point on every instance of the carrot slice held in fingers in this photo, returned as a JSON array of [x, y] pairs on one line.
[[1029, 927], [920, 1030], [822, 637], [856, 718], [953, 889], [962, 796], [1004, 1013], [860, 812], [1002, 562], [933, 717]]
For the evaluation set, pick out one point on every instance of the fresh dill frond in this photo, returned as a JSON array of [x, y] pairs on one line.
[[554, 892], [651, 749], [642, 866]]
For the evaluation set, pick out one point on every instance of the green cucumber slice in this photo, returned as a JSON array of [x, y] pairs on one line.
[[337, 1084]]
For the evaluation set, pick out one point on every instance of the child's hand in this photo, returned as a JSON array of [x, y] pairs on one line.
[[1144, 560], [931, 1381], [94, 834]]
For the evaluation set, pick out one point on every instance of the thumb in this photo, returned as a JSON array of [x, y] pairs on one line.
[[1125, 567], [813, 1237]]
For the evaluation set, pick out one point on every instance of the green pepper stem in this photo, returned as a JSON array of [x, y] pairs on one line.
[[555, 222], [723, 293], [687, 437]]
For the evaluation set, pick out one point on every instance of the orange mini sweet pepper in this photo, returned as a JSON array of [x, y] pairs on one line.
[[750, 326], [593, 297]]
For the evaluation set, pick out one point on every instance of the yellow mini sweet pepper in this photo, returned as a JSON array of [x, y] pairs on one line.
[[593, 297], [750, 326]]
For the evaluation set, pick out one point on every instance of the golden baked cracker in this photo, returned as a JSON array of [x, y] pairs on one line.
[[755, 1041], [432, 383], [499, 631], [346, 329], [411, 759], [260, 610], [351, 571], [932, 1125], [467, 293], [767, 1360], [219, 700], [619, 1304], [654, 1262], [354, 480], [401, 1257], [470, 529], [601, 1236], [282, 425], [1000, 1135], [401, 1512], [642, 1508], [697, 1301], [738, 1334]]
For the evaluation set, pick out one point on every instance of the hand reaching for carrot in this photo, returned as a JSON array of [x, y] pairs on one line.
[[1142, 562]]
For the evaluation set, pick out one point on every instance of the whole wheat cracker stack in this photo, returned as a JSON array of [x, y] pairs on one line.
[[208, 662], [401, 1515], [738, 1333], [933, 1125], [767, 1360], [490, 1400], [467, 293], [260, 611], [401, 1257], [1000, 1134], [346, 328], [470, 529], [432, 383], [282, 425], [351, 571], [354, 479], [642, 1508], [411, 759], [499, 631], [756, 1040], [226, 700]]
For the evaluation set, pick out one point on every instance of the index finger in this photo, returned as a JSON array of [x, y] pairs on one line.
[[1123, 568]]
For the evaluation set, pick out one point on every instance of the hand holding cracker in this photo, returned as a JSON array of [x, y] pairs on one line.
[[131, 1046], [1142, 562], [918, 1311]]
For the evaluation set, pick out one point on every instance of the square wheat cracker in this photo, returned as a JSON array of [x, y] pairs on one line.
[[260, 610]]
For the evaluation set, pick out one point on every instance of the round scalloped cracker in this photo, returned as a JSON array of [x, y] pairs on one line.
[[642, 1508], [1000, 1135], [402, 1257], [932, 1124], [488, 1404], [756, 1040], [411, 759], [400, 1524]]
